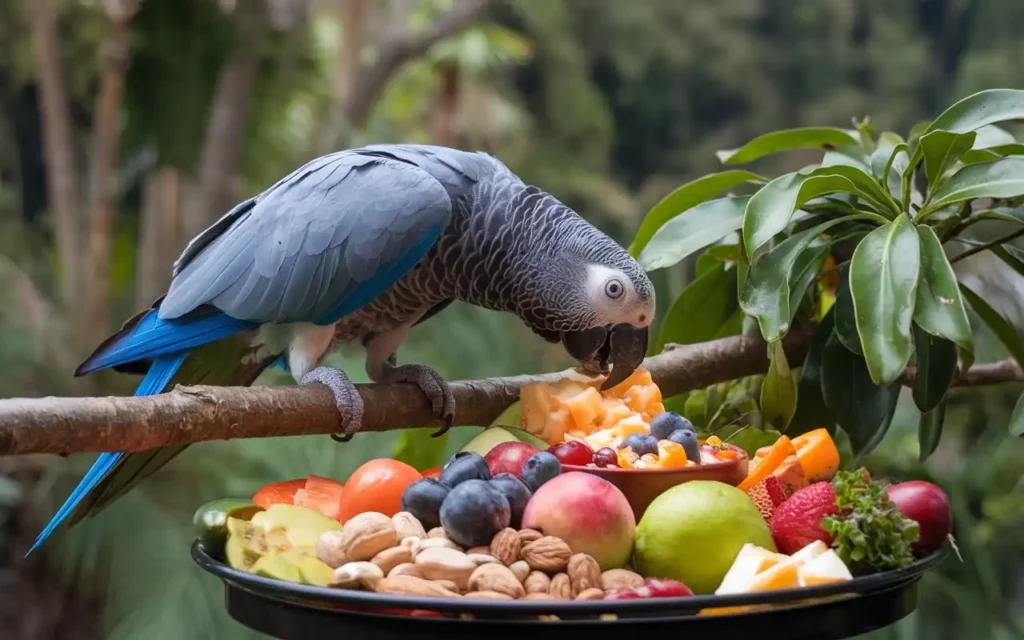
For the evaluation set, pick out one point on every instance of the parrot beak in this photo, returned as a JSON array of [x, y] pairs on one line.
[[623, 346]]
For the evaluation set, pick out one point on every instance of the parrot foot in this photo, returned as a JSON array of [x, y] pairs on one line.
[[431, 384], [346, 397]]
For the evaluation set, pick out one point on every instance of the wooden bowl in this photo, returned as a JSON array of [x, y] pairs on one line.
[[642, 486]]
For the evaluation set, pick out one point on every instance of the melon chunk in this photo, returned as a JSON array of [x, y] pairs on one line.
[[587, 409], [825, 568], [750, 561]]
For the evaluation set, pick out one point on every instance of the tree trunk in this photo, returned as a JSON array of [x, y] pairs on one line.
[[446, 113], [105, 164], [159, 234], [58, 142], [352, 14], [222, 146]]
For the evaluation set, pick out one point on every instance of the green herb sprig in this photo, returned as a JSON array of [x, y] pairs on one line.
[[869, 534]]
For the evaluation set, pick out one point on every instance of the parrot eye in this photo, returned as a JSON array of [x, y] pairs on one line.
[[613, 289]]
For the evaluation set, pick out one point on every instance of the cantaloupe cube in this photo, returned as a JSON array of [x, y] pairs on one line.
[[784, 575], [630, 425], [826, 568], [614, 410], [791, 475], [811, 551], [601, 439], [639, 377], [749, 562], [586, 407], [535, 404], [639, 398], [555, 427]]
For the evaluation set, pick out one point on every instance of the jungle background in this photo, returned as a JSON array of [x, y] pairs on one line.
[[127, 126]]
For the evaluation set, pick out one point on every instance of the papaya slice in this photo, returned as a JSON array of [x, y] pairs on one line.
[[818, 455], [782, 449], [278, 493], [322, 494]]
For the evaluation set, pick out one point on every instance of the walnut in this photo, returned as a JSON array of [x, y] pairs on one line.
[[584, 573], [548, 554], [560, 588], [495, 577], [505, 546], [616, 579]]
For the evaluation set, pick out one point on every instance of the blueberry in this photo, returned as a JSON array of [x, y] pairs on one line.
[[423, 499], [688, 439], [515, 491], [665, 423], [473, 512], [640, 443], [463, 466], [540, 468]]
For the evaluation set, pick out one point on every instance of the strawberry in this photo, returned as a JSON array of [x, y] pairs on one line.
[[797, 521], [767, 494]]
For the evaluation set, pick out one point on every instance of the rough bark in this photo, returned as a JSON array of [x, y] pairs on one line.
[[446, 113], [159, 234], [58, 146], [353, 17], [105, 164], [400, 44], [222, 145]]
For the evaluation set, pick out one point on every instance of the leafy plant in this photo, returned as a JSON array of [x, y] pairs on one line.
[[853, 244]]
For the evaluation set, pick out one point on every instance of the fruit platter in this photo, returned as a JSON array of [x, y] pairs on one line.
[[600, 511]]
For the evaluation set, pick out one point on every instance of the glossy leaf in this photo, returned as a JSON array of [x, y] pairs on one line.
[[845, 316], [811, 411], [864, 185], [988, 154], [693, 230], [1013, 261], [1003, 214], [1017, 418], [805, 273], [779, 390], [992, 136], [1004, 331], [929, 430], [787, 140], [980, 109], [766, 293], [700, 311], [883, 284], [685, 198], [936, 368], [717, 255], [770, 209], [1000, 179], [941, 149], [938, 308], [888, 165], [863, 409]]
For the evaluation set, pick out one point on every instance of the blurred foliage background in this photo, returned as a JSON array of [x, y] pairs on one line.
[[126, 126]]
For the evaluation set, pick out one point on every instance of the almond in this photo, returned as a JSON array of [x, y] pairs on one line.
[[584, 573], [616, 579], [548, 554], [388, 559], [505, 546], [526, 536], [495, 577], [560, 588], [537, 582], [590, 594], [412, 586]]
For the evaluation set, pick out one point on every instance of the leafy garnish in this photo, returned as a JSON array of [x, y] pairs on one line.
[[869, 534]]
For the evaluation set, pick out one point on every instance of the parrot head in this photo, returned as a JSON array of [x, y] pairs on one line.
[[597, 301]]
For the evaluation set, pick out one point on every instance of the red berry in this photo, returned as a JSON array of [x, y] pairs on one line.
[[665, 588], [573, 452], [797, 521], [606, 457]]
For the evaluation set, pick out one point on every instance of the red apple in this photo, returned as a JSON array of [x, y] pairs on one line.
[[509, 457], [926, 504]]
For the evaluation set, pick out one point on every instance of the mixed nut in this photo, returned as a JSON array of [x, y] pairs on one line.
[[398, 556]]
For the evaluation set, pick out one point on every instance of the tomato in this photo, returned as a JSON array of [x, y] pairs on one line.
[[322, 494], [278, 493], [433, 472], [377, 486]]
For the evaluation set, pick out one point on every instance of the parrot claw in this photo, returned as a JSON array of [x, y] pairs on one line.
[[346, 398], [432, 385]]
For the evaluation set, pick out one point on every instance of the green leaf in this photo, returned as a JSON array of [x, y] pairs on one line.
[[1002, 252], [1003, 214], [1004, 331], [863, 409], [805, 273], [1000, 179], [766, 293], [992, 136], [929, 430], [685, 198], [787, 140], [936, 368], [938, 308], [864, 185], [748, 438], [846, 317], [701, 310], [417, 448], [980, 109], [811, 411], [941, 149], [883, 283], [716, 255], [770, 209], [693, 230], [1017, 418], [888, 164], [779, 390], [989, 154]]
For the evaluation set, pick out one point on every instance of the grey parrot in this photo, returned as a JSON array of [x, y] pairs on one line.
[[360, 246]]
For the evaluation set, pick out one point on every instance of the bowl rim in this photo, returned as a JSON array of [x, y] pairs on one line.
[[743, 455]]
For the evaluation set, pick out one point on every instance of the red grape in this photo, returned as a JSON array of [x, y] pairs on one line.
[[665, 588], [573, 452], [606, 457]]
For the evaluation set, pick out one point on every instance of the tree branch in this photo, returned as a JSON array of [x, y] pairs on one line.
[[979, 375], [194, 414]]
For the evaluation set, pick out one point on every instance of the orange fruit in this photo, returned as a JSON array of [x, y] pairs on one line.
[[377, 486]]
